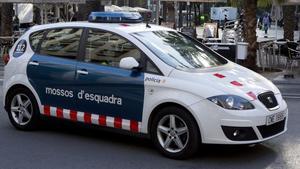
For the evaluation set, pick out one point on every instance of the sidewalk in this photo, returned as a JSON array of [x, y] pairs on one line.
[[289, 88], [278, 77], [272, 33]]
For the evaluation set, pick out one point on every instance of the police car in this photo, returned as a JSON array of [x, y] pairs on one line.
[[117, 72]]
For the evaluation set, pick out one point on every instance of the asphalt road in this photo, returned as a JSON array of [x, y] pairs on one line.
[[61, 145]]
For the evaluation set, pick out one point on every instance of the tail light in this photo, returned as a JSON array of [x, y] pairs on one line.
[[6, 58]]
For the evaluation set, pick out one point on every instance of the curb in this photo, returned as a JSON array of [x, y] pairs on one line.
[[286, 82], [290, 96]]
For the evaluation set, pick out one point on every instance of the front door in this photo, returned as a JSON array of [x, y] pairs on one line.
[[103, 88]]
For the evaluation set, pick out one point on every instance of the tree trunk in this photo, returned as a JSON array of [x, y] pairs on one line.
[[6, 19], [180, 20], [36, 15], [198, 5], [0, 17], [195, 14], [289, 21], [250, 34], [165, 9], [85, 9]]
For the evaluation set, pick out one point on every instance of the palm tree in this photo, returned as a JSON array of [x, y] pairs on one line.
[[36, 15], [288, 16], [250, 33], [6, 19], [289, 21], [250, 7]]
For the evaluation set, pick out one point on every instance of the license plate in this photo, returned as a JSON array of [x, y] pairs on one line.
[[274, 118]]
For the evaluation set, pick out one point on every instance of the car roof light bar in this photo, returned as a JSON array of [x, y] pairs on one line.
[[115, 17]]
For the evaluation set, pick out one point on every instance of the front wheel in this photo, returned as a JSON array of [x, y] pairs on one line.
[[22, 110], [175, 133]]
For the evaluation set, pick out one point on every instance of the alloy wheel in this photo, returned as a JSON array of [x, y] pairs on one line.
[[172, 133], [21, 109]]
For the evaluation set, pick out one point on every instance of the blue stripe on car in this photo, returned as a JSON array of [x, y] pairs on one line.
[[54, 76]]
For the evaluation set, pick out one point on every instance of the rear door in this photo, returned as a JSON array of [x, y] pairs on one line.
[[51, 70]]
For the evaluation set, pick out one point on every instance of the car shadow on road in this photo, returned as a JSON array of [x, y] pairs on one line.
[[208, 156], [93, 132]]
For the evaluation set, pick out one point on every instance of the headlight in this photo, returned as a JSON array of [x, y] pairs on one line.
[[231, 102]]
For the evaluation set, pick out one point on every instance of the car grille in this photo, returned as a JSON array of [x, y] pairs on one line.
[[268, 131], [268, 99]]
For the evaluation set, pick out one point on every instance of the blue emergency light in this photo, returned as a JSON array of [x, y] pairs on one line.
[[115, 17]]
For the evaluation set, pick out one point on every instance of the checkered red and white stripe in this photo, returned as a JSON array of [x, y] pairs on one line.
[[101, 120]]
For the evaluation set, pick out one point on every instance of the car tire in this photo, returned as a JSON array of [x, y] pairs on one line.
[[22, 109], [175, 133]]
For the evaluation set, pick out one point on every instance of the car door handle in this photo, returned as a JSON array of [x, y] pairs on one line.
[[83, 72], [34, 63]]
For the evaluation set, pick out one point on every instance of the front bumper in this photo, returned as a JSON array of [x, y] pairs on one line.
[[220, 126]]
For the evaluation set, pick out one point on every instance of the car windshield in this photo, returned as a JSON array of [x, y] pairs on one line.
[[179, 51]]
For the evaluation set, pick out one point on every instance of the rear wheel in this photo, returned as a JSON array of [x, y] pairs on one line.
[[22, 110], [175, 133]]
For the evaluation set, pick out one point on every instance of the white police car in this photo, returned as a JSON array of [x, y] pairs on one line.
[[140, 78]]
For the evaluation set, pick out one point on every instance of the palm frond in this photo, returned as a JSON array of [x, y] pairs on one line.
[[265, 3]]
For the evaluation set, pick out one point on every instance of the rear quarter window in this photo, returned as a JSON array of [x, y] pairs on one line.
[[35, 38]]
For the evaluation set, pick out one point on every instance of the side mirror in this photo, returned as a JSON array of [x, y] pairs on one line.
[[128, 63]]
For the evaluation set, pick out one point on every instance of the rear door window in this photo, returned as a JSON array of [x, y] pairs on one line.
[[62, 43]]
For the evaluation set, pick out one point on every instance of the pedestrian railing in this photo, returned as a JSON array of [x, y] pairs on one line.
[[273, 54]]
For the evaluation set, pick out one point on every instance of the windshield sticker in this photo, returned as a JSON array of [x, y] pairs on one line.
[[20, 48]]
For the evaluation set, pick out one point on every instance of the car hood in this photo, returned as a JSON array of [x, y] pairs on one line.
[[228, 79]]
